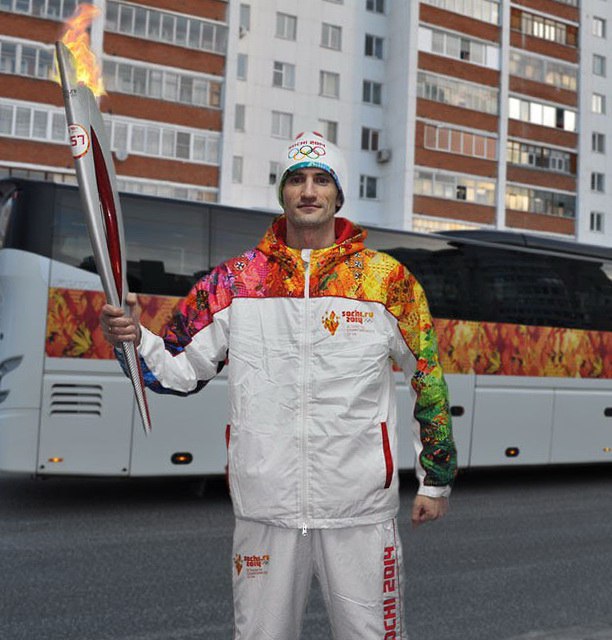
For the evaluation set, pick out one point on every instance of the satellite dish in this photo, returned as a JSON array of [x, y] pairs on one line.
[[121, 155]]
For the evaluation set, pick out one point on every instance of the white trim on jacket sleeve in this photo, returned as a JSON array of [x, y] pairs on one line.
[[198, 362]]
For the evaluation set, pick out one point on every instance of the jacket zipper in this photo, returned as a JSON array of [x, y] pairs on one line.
[[304, 390]]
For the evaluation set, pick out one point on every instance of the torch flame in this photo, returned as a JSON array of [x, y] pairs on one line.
[[76, 38]]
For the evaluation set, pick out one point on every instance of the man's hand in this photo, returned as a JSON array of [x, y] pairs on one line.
[[118, 327], [425, 509]]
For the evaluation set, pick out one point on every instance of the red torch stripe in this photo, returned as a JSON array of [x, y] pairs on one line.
[[109, 212]]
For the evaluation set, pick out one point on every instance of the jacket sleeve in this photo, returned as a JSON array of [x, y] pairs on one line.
[[416, 351], [193, 348]]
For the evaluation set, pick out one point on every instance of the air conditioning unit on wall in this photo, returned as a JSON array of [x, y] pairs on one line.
[[383, 155]]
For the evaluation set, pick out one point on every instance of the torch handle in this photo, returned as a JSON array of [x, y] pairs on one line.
[[133, 364]]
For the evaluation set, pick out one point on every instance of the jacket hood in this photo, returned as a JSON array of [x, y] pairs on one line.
[[349, 239]]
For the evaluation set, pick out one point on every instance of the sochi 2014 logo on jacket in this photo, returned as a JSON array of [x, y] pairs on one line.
[[354, 321]]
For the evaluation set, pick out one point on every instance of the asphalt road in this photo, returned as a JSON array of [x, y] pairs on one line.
[[523, 555]]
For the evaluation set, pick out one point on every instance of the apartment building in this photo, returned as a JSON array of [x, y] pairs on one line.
[[163, 71], [451, 113]]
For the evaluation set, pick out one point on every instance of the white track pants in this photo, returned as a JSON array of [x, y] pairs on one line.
[[359, 569]]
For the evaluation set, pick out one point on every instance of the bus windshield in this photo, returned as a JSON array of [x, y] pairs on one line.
[[167, 243], [8, 195]]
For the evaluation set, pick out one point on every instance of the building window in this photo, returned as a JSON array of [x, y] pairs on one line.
[[596, 222], [483, 10], [274, 175], [245, 17], [598, 103], [286, 26], [237, 162], [329, 84], [368, 187], [537, 157], [329, 129], [375, 6], [282, 125], [457, 93], [25, 59], [52, 9], [161, 84], [283, 75], [599, 27], [242, 66], [373, 46], [544, 28], [331, 36], [551, 72], [454, 187], [372, 92], [22, 120], [598, 182], [598, 142], [550, 203], [369, 139], [458, 47], [542, 114], [599, 65], [461, 142], [161, 140], [165, 190], [239, 117], [171, 28]]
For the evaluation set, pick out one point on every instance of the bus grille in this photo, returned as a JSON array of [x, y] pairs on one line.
[[69, 399]]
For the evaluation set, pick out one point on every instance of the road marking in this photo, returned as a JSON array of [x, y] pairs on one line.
[[192, 633], [597, 632]]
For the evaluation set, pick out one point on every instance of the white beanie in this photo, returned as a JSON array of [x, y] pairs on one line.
[[310, 149]]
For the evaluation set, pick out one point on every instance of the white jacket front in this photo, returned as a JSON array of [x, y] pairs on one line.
[[309, 336]]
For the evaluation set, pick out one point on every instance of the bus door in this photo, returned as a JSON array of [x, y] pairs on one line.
[[87, 403], [24, 273]]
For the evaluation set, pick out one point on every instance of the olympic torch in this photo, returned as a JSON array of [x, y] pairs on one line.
[[98, 189]]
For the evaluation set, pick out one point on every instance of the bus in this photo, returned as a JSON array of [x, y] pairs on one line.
[[524, 325]]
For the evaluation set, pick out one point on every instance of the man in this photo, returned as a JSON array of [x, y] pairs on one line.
[[309, 320]]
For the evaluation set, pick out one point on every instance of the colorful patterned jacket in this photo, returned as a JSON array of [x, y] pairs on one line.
[[309, 336]]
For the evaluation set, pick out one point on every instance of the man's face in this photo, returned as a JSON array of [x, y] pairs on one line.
[[310, 198]]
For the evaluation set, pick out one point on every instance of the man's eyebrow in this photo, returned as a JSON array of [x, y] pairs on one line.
[[301, 172]]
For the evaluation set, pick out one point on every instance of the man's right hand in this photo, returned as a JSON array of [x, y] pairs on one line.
[[119, 327]]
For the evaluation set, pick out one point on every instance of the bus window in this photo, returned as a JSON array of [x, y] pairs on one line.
[[26, 216], [591, 283], [467, 281], [524, 288], [167, 242], [70, 239], [233, 232], [444, 270], [446, 277]]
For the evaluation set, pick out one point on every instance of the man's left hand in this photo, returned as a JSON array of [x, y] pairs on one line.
[[425, 509]]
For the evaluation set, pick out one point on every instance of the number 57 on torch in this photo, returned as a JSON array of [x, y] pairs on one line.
[[97, 186]]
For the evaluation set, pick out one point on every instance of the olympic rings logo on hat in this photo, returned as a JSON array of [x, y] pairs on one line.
[[313, 152]]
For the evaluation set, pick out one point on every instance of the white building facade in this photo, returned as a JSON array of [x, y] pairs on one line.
[[518, 89]]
